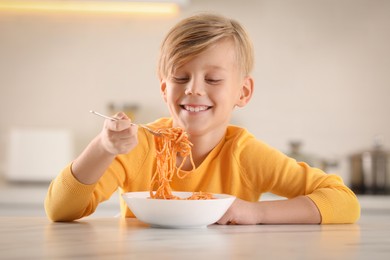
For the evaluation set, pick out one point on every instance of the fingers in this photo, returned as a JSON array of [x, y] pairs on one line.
[[228, 217], [119, 125], [121, 115], [241, 213], [119, 136]]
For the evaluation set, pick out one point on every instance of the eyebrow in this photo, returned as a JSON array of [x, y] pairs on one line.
[[213, 67], [217, 67]]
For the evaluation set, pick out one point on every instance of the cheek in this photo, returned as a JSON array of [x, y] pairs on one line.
[[229, 94], [171, 94]]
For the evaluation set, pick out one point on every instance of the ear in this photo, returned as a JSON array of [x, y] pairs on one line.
[[246, 91], [163, 90]]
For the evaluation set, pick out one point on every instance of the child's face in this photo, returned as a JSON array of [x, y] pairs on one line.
[[202, 94]]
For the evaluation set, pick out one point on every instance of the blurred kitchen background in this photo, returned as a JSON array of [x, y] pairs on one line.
[[322, 84]]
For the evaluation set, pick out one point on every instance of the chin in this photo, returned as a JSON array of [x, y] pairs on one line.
[[191, 129]]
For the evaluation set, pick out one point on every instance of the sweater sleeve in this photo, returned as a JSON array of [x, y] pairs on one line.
[[68, 199], [271, 171], [337, 204]]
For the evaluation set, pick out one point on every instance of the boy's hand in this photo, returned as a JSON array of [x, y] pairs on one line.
[[120, 136], [241, 212]]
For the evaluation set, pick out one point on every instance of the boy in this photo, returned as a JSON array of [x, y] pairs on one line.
[[204, 71]]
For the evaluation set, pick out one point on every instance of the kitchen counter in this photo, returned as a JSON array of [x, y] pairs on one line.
[[27, 234], [113, 238]]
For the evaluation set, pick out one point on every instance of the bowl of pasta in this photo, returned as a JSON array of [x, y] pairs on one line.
[[183, 210]]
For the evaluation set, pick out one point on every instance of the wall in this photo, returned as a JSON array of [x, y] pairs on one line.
[[321, 71]]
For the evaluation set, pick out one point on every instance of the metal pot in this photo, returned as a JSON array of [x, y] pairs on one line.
[[370, 171]]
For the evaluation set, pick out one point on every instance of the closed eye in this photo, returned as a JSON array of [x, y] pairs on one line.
[[213, 81], [180, 80]]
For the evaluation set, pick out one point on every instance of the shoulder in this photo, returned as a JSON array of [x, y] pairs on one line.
[[240, 137], [245, 146]]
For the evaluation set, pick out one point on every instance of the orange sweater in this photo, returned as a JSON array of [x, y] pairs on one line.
[[239, 165]]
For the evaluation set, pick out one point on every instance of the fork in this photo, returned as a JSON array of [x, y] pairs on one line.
[[116, 119]]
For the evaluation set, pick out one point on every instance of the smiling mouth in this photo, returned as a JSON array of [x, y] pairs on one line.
[[195, 108]]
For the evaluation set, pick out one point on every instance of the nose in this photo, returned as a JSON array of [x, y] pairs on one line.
[[195, 87]]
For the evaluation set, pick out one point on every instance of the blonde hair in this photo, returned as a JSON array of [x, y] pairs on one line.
[[195, 34]]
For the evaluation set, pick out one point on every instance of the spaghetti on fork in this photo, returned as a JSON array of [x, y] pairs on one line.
[[170, 143]]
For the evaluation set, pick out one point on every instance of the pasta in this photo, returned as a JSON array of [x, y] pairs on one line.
[[170, 143]]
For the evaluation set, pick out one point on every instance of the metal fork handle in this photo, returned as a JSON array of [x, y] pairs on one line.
[[116, 119], [148, 129]]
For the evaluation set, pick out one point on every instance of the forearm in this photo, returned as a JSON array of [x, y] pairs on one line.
[[69, 195], [92, 163], [299, 210], [73, 194]]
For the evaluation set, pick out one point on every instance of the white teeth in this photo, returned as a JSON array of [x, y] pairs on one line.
[[195, 109]]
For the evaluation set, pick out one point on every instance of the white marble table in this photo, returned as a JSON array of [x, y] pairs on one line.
[[117, 238]]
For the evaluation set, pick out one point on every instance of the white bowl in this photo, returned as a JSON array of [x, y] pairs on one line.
[[177, 213]]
